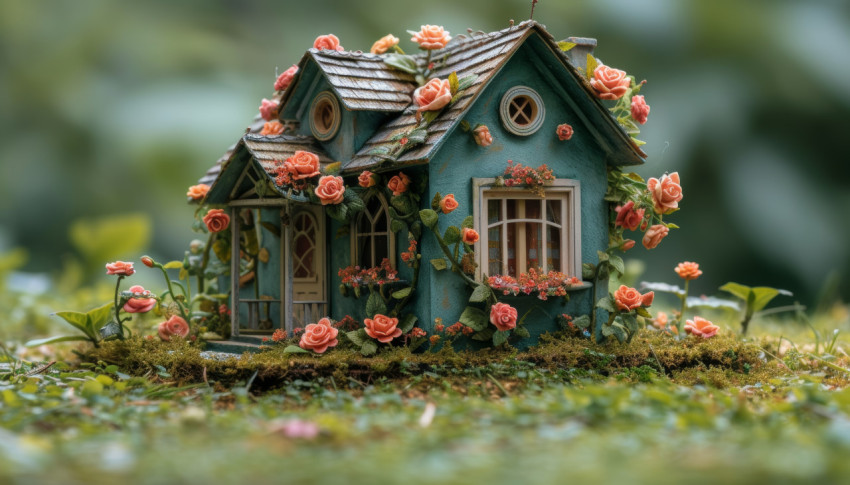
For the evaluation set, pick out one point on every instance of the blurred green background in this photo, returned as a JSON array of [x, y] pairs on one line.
[[115, 108]]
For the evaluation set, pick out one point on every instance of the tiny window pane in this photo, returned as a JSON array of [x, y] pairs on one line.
[[533, 246], [512, 253], [494, 210], [553, 248], [553, 211]]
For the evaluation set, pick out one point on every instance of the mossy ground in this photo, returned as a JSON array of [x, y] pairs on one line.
[[720, 362]]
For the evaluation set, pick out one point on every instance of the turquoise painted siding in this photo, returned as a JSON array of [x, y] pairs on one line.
[[460, 159]]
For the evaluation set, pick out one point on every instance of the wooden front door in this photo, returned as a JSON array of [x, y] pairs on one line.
[[309, 293]]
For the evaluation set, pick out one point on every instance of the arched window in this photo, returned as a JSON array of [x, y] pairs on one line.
[[305, 232], [371, 238]]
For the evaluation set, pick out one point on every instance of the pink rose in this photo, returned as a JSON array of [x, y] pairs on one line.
[[384, 44], [434, 95], [173, 327], [640, 110], [654, 235], [285, 79], [367, 179], [120, 268], [216, 220], [666, 193], [503, 316], [398, 183], [302, 165], [141, 304], [268, 109], [628, 299], [382, 328], [628, 217], [448, 203], [482, 136], [431, 37], [565, 132], [329, 42], [469, 236], [628, 244], [330, 190], [319, 336], [610, 83], [701, 327]]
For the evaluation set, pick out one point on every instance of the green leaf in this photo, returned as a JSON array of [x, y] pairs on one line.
[[357, 337], [452, 235], [368, 348], [582, 322], [588, 271], [607, 330], [521, 332], [565, 46], [221, 248], [644, 312], [606, 303], [467, 223], [396, 225], [332, 168], [375, 305], [430, 116], [592, 64], [398, 295], [429, 217], [453, 83], [401, 62], [465, 126], [474, 318], [485, 335], [617, 263], [762, 296], [435, 202], [407, 323], [416, 137], [603, 256], [173, 265], [480, 293], [294, 349], [402, 204], [56, 340], [466, 82], [98, 317], [739, 290], [439, 264], [353, 201], [77, 320], [338, 212], [501, 337]]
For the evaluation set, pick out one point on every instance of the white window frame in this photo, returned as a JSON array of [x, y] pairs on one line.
[[355, 235], [485, 189]]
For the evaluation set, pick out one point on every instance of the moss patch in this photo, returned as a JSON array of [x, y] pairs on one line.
[[719, 362]]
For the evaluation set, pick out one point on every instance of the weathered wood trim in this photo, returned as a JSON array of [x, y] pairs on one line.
[[284, 301], [287, 264], [234, 271], [258, 202]]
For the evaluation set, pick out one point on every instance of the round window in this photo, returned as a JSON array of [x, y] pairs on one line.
[[324, 116], [522, 111]]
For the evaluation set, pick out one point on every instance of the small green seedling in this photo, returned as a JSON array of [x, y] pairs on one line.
[[755, 299]]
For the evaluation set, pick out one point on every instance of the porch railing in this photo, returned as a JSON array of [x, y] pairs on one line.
[[306, 312]]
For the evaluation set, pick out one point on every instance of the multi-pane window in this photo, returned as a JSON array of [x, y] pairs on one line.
[[305, 230], [371, 236], [520, 230]]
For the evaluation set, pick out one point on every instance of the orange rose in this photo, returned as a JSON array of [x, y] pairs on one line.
[[503, 316], [268, 109], [654, 235], [198, 192], [382, 328], [666, 193], [448, 203], [120, 268], [285, 79], [329, 42], [469, 236], [384, 44], [431, 37], [273, 127], [434, 95], [628, 244], [640, 110], [330, 190], [482, 136], [302, 165], [141, 304], [701, 327], [565, 132], [610, 83], [367, 179], [319, 336], [628, 299], [216, 220], [628, 217], [398, 183], [688, 270], [173, 327]]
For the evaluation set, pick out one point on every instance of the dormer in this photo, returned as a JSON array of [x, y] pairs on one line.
[[342, 98]]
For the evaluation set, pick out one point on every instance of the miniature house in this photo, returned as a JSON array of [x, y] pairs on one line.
[[344, 105]]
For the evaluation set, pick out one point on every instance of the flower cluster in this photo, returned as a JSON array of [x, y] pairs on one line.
[[459, 328], [645, 204], [354, 276], [409, 256], [534, 178], [297, 169], [347, 324], [553, 283]]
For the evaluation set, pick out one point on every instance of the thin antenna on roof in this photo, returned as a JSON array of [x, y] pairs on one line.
[[533, 4]]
